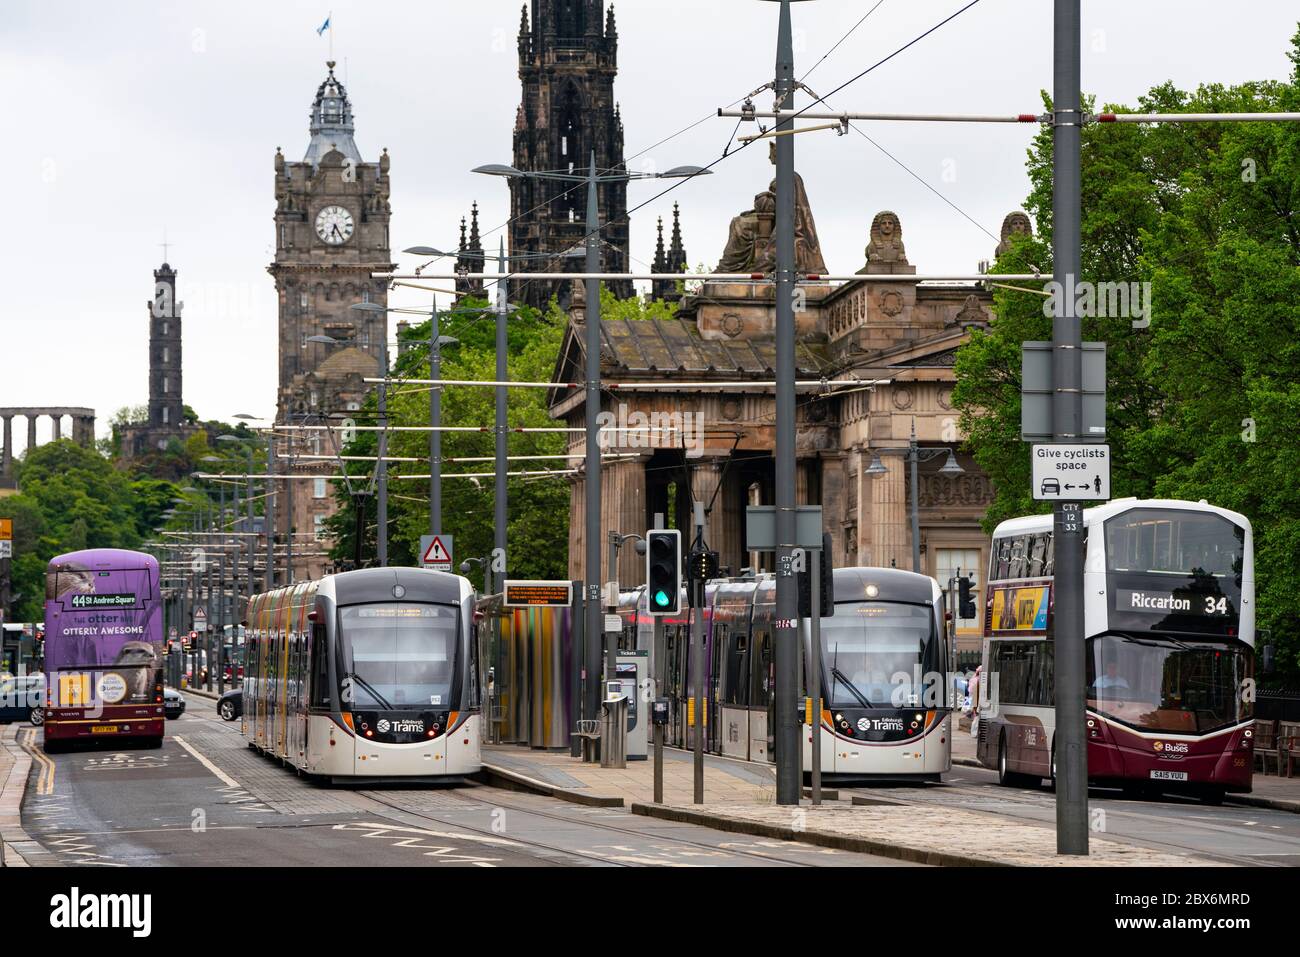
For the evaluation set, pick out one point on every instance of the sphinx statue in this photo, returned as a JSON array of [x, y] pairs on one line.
[[886, 243], [1014, 224]]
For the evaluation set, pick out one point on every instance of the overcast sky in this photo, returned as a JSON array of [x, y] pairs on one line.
[[131, 118]]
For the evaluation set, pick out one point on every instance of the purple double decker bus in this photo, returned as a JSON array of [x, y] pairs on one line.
[[103, 648]]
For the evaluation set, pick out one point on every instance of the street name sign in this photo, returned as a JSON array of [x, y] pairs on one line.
[[1071, 472], [435, 552], [530, 594]]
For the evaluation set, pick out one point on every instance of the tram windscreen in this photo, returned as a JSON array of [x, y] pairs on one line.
[[1164, 684], [880, 655], [398, 655]]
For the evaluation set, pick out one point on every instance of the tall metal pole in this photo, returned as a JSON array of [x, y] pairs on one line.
[[660, 673], [221, 593], [288, 519], [697, 664], [815, 670], [435, 420], [381, 519], [592, 412], [913, 453], [1067, 426], [270, 511], [787, 599], [501, 515], [252, 543]]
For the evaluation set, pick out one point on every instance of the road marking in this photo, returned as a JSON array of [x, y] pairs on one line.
[[226, 779], [45, 782]]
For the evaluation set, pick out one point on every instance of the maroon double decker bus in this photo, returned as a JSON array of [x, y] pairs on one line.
[[103, 648], [1169, 631]]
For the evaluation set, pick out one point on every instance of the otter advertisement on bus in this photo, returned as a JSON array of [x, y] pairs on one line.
[[103, 632]]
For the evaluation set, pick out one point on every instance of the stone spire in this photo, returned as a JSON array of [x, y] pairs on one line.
[[331, 121], [659, 288]]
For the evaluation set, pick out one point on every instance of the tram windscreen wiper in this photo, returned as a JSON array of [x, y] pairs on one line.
[[852, 688], [379, 699]]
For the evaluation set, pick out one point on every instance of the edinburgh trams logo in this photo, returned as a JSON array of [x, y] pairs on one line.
[[399, 725]]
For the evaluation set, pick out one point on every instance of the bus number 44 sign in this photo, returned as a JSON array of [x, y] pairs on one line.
[[1075, 472]]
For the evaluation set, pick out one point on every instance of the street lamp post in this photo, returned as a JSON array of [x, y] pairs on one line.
[[914, 455], [591, 533]]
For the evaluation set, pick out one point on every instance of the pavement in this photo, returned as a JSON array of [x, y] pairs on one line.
[[971, 822], [17, 848]]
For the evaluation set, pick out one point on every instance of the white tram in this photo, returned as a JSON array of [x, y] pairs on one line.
[[367, 674]]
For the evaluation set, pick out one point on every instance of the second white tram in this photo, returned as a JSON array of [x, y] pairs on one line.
[[366, 674]]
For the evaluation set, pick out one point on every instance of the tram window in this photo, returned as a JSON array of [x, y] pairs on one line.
[[320, 677]]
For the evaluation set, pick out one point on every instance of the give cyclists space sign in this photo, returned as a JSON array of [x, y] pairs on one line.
[[1078, 472]]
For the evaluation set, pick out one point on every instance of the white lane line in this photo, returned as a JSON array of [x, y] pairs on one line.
[[226, 779]]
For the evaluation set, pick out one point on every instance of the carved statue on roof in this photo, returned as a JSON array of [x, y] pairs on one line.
[[1015, 224], [751, 242], [886, 244]]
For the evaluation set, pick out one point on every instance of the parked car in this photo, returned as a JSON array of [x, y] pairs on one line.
[[231, 704], [173, 703], [22, 698]]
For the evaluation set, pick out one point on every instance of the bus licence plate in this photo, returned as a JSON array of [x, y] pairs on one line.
[[1169, 775], [107, 729]]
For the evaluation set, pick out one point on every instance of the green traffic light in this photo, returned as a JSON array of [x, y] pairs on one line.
[[661, 598]]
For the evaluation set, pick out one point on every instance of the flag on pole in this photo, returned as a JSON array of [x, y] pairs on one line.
[[320, 30]]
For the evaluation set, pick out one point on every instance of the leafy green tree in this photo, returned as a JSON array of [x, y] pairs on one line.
[[539, 507], [1205, 401]]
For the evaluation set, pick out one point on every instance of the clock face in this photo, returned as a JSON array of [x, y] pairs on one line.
[[334, 225]]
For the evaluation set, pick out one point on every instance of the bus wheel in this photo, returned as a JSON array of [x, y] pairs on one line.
[[150, 744], [1005, 777], [1213, 797]]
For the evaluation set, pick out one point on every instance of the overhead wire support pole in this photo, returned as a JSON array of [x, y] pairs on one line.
[[501, 512], [845, 117], [1070, 755], [787, 735], [594, 625]]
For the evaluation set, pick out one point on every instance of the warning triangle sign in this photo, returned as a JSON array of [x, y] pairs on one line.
[[436, 552]]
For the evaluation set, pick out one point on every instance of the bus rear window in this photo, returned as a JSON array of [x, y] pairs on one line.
[[1171, 541]]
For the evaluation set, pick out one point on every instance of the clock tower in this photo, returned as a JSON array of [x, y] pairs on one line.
[[331, 233]]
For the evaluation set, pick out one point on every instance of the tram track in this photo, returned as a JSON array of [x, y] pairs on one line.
[[378, 797]]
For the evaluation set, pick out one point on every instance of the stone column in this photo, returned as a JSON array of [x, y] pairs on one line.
[[723, 532], [58, 427], [891, 533], [623, 509], [834, 502], [577, 510], [31, 431], [7, 452]]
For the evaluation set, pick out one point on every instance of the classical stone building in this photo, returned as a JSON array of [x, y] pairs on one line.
[[568, 58], [331, 232], [712, 439]]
